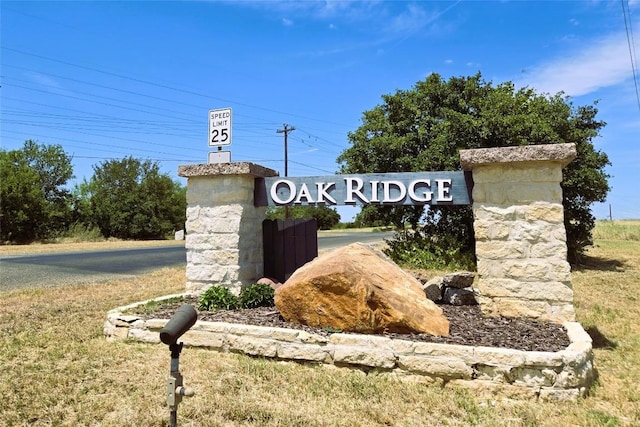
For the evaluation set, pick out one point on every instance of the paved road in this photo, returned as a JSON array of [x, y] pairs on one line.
[[47, 270]]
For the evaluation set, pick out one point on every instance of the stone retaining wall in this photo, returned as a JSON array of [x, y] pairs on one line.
[[513, 374]]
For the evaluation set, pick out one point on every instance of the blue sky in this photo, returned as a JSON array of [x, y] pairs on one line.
[[112, 79]]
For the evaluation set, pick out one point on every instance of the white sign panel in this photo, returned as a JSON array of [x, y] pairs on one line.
[[220, 127], [220, 157]]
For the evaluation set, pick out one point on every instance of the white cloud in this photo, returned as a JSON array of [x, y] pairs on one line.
[[601, 63], [287, 22]]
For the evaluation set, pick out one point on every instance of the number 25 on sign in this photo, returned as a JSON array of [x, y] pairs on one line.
[[220, 127]]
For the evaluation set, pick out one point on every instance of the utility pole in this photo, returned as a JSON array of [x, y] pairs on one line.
[[286, 131]]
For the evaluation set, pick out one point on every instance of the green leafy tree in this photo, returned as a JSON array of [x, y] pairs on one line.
[[35, 203], [422, 129], [326, 217], [131, 199]]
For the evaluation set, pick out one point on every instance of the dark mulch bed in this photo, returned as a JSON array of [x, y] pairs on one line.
[[468, 326]]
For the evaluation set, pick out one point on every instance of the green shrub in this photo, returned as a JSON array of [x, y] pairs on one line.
[[256, 295], [218, 297], [417, 249], [221, 298]]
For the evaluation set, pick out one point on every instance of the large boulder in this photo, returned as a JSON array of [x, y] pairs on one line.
[[358, 289]]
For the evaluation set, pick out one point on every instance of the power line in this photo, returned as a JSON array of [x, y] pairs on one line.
[[634, 66], [164, 86]]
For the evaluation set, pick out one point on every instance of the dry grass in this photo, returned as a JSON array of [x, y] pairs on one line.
[[58, 370]]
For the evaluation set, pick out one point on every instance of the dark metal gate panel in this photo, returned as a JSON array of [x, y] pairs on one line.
[[288, 244]]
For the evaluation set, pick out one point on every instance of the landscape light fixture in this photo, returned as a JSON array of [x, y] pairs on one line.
[[183, 319]]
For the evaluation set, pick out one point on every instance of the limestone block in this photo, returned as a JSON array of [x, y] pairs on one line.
[[560, 270], [493, 213], [226, 257], [252, 345], [522, 193], [373, 357], [352, 340], [535, 377], [446, 367], [512, 172], [499, 356], [543, 359], [250, 330], [196, 287], [155, 324], [479, 193], [462, 352], [402, 346], [284, 335], [306, 352], [206, 273], [489, 268], [556, 249], [485, 230], [226, 225], [510, 307], [144, 335], [232, 195], [306, 337], [543, 211], [527, 270], [500, 250], [494, 373], [215, 327], [202, 242], [576, 333], [510, 288], [529, 231], [195, 338]]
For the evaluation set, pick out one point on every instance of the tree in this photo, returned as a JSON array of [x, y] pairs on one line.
[[131, 199], [423, 129], [326, 217], [35, 204]]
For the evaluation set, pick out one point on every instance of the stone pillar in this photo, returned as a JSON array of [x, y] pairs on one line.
[[519, 229], [224, 228]]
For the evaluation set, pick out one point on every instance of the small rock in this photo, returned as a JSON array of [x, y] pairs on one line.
[[459, 279], [433, 289], [455, 296]]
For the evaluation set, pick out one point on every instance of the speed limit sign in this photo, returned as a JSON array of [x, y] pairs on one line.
[[220, 127]]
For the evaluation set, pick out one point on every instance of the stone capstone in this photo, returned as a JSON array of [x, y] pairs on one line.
[[358, 289]]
